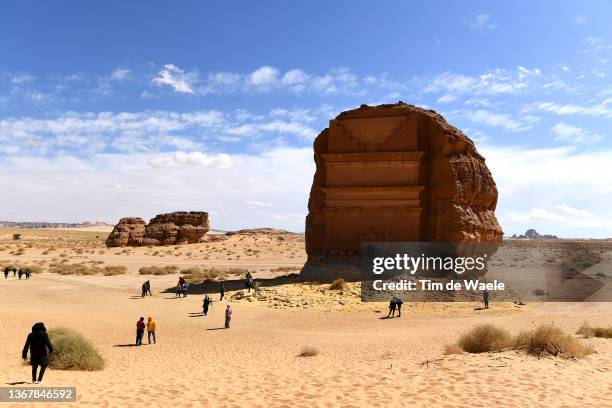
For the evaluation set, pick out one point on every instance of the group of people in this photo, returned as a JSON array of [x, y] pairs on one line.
[[140, 328], [17, 272], [207, 304], [395, 304]]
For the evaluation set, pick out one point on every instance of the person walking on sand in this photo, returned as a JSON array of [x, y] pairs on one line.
[[151, 329], [28, 273], [6, 270], [222, 291], [392, 306], [140, 326], [184, 289], [38, 343], [143, 293], [485, 299], [399, 302], [14, 271], [228, 316], [148, 283], [205, 304], [248, 281], [20, 273]]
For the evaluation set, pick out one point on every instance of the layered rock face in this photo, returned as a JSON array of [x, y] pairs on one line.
[[164, 229], [397, 173], [128, 232]]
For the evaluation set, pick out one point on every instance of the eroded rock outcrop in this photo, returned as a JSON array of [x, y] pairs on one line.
[[397, 173], [164, 229]]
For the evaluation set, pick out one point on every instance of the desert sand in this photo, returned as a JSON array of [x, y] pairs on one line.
[[362, 360]]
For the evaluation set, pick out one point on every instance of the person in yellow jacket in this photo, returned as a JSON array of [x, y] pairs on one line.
[[151, 329]]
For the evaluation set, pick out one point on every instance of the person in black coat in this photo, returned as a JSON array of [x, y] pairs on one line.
[[38, 343]]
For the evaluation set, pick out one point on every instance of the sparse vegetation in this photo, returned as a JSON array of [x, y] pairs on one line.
[[452, 349], [544, 340], [588, 331], [158, 270], [72, 351], [548, 339], [82, 269], [484, 338], [309, 351], [16, 237], [338, 284]]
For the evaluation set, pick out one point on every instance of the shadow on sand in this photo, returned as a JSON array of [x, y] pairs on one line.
[[210, 286], [17, 383]]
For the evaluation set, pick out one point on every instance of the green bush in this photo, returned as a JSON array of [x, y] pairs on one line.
[[72, 351]]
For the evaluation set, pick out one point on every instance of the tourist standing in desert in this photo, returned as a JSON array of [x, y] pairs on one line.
[[38, 343]]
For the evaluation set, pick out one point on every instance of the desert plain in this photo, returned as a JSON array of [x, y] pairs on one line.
[[357, 359]]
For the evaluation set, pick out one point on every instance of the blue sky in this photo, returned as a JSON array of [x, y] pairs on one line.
[[117, 108]]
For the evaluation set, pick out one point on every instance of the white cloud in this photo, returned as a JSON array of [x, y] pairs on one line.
[[559, 191], [220, 161], [580, 20], [264, 76], [119, 74], [86, 189], [599, 110], [255, 203], [483, 21], [147, 131], [496, 119], [176, 78], [494, 82], [573, 134], [447, 98]]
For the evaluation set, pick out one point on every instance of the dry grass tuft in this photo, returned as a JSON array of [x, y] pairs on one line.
[[309, 351], [588, 331], [158, 270], [548, 339], [484, 338], [72, 351], [452, 349], [338, 284], [82, 269]]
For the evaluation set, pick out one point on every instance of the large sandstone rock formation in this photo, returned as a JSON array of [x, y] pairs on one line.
[[164, 229], [397, 173]]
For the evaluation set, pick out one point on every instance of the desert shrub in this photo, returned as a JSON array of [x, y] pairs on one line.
[[338, 284], [309, 351], [196, 274], [113, 270], [484, 338], [158, 270], [452, 349], [548, 339], [600, 274], [539, 292], [72, 351], [588, 331], [16, 237], [82, 269]]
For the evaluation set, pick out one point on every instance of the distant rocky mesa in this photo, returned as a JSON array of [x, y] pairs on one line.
[[533, 234], [34, 224], [179, 227]]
